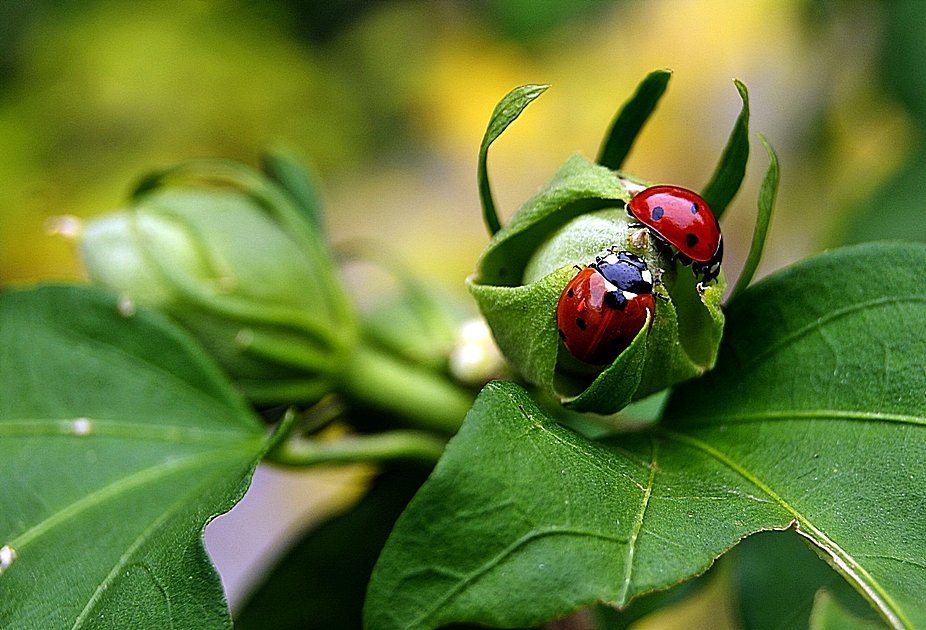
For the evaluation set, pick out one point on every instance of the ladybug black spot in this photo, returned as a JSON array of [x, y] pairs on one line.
[[694, 208], [562, 335], [580, 323], [691, 240], [658, 211], [571, 293]]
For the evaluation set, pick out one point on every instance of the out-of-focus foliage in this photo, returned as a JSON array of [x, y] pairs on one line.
[[895, 208], [389, 100]]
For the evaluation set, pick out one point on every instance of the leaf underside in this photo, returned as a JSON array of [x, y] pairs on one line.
[[813, 419], [120, 441]]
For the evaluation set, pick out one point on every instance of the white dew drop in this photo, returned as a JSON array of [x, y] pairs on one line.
[[7, 557], [81, 426], [65, 225], [126, 306]]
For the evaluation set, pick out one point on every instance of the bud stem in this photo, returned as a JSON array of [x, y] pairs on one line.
[[418, 396], [380, 447]]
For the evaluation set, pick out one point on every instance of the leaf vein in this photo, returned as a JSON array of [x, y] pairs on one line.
[[486, 567], [114, 489], [844, 561]]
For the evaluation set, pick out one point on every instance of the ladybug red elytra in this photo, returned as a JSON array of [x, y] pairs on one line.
[[605, 306], [681, 218]]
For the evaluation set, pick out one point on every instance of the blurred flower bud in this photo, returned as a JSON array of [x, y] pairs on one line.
[[239, 266]]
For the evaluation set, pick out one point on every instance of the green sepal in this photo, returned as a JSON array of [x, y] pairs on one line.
[[767, 194], [531, 349], [283, 166], [731, 169], [507, 110], [632, 117], [578, 187]]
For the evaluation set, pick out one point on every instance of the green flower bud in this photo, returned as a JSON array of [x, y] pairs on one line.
[[579, 215], [240, 267]]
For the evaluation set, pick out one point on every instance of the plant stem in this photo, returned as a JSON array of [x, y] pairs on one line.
[[379, 447], [421, 397]]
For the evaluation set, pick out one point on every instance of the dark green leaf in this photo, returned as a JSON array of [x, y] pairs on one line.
[[829, 614], [631, 118], [321, 582], [507, 110], [608, 618], [767, 194], [728, 176], [816, 407], [776, 579], [291, 175], [120, 441]]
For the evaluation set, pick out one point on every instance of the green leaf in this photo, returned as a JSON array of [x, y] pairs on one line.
[[820, 381], [631, 118], [120, 441], [829, 614], [505, 113], [728, 176], [816, 407], [321, 581], [767, 601], [767, 194], [532, 349]]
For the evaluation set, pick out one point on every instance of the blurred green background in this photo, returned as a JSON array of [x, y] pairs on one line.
[[389, 102]]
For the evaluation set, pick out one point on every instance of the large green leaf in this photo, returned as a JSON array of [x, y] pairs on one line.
[[120, 440], [813, 419], [765, 600]]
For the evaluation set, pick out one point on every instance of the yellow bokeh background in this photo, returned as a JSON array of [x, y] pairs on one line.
[[390, 108]]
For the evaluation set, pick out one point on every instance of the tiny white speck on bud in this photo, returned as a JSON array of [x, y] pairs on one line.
[[244, 338], [7, 557], [126, 306], [81, 426], [65, 225], [640, 238]]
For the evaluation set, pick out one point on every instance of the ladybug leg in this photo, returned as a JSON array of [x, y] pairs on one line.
[[657, 282], [682, 258]]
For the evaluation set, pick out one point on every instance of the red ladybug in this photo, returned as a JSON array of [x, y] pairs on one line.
[[604, 306], [682, 219]]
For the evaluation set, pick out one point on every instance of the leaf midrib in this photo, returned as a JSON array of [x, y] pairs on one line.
[[64, 427], [726, 419], [155, 372], [832, 315], [844, 561], [126, 484], [140, 540]]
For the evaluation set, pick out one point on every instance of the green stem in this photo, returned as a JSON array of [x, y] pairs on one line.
[[421, 397], [379, 447]]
